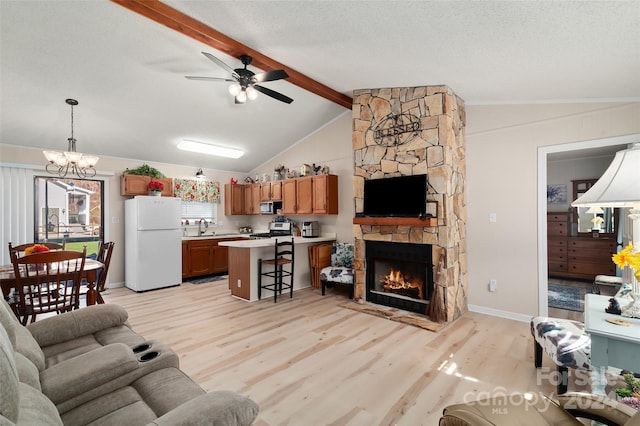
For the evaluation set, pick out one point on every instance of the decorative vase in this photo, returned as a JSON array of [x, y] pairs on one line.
[[156, 193]]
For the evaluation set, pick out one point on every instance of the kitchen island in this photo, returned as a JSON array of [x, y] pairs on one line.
[[243, 263]]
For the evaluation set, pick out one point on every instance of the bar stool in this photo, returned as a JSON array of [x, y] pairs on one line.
[[283, 255]]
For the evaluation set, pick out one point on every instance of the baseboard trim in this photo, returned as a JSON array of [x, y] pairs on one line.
[[499, 313]]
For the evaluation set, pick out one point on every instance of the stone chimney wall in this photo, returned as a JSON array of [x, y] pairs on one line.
[[408, 131]]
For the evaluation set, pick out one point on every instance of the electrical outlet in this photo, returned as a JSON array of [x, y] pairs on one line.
[[493, 285], [115, 219], [239, 283], [493, 218]]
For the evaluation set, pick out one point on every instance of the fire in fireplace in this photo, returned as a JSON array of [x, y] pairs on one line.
[[399, 275]]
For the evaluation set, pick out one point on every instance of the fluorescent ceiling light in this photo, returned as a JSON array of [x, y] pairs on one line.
[[205, 148]]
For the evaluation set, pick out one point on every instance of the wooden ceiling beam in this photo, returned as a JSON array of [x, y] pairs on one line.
[[178, 21]]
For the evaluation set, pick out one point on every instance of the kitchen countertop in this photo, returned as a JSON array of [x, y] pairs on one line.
[[268, 242], [216, 236]]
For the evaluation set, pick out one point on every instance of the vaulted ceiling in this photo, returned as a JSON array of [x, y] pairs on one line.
[[127, 70]]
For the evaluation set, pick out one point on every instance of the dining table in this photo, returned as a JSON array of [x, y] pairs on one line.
[[90, 274]]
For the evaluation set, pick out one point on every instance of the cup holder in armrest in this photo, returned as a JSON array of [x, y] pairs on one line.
[[149, 356], [141, 348]]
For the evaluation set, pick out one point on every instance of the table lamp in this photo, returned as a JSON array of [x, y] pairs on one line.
[[595, 211], [619, 186]]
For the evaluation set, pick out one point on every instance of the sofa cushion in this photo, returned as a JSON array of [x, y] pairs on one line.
[[147, 398], [27, 372], [36, 409], [27, 346], [74, 324], [222, 408], [8, 320], [9, 403]]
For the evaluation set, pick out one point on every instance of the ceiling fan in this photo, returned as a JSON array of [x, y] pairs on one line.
[[244, 81]]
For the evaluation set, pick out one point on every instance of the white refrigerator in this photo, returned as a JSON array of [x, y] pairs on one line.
[[153, 242]]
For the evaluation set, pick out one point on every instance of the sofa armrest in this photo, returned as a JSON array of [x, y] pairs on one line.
[[596, 407], [223, 408], [88, 371], [81, 322]]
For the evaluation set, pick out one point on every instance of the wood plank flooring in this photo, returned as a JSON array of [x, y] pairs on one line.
[[308, 361]]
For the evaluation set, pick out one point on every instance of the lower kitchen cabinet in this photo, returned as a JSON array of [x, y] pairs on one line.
[[204, 257]]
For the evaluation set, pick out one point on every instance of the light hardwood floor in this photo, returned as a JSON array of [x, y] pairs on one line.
[[308, 361]]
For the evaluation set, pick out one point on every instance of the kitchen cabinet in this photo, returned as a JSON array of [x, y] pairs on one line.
[[306, 195], [233, 199], [186, 260], [325, 194], [252, 198], [271, 191], [203, 256], [131, 185], [289, 197]]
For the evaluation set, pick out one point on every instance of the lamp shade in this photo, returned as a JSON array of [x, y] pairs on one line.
[[595, 210], [619, 186]]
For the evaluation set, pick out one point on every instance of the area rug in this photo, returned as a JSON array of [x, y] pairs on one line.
[[566, 297], [206, 279], [395, 315]]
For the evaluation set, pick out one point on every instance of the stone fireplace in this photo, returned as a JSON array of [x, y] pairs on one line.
[[410, 131]]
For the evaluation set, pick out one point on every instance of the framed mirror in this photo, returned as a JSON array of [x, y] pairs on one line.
[[592, 221]]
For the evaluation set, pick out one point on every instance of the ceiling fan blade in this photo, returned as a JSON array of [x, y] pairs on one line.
[[270, 76], [221, 64], [190, 77], [273, 94]]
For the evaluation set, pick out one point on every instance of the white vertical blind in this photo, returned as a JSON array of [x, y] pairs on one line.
[[16, 213]]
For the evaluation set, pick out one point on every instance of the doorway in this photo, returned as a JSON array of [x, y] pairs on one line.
[[564, 152]]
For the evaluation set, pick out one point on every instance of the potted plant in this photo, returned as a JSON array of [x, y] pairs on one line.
[[155, 187], [144, 170]]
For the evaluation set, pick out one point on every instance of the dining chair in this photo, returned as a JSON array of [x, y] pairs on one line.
[[283, 255], [104, 257], [19, 249], [48, 282]]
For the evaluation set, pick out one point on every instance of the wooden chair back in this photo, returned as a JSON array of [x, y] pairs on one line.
[[104, 257], [19, 250], [48, 281]]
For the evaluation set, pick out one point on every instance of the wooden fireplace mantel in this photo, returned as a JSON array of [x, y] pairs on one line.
[[396, 221]]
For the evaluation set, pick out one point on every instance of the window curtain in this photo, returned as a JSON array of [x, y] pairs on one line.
[[197, 190], [16, 213]]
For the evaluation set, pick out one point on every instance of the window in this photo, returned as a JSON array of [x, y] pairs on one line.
[[196, 211], [69, 211]]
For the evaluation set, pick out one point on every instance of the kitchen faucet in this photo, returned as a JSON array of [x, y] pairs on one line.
[[206, 225]]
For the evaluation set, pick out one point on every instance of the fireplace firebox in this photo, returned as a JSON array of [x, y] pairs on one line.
[[399, 275]]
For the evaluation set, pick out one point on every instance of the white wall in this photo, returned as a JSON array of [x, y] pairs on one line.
[[502, 176], [330, 146]]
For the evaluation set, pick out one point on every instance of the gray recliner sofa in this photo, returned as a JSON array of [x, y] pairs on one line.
[[89, 367]]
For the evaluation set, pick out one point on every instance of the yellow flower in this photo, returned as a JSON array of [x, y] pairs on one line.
[[597, 220], [626, 257]]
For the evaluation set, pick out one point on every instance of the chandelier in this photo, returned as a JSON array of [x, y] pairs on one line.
[[61, 163]]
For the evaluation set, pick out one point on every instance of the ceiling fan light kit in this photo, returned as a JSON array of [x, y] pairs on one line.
[[206, 148], [244, 81], [61, 163]]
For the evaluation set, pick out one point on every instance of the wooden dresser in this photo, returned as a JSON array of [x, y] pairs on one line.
[[579, 257]]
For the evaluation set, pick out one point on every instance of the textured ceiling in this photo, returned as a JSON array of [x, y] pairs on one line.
[[128, 72]]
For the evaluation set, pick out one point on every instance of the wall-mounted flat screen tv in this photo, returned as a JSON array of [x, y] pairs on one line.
[[401, 196]]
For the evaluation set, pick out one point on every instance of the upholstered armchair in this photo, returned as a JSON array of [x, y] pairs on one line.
[[340, 272], [536, 409]]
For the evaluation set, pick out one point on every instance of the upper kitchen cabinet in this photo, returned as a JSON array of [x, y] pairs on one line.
[[131, 185], [325, 194], [271, 191], [310, 195], [233, 199], [252, 198]]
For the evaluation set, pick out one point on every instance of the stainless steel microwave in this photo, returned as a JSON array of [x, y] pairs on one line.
[[270, 207]]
